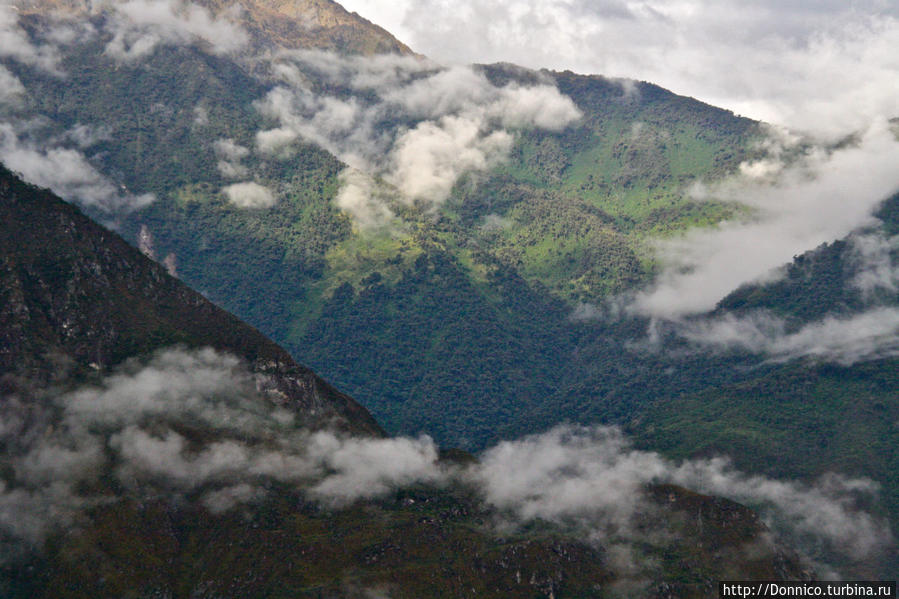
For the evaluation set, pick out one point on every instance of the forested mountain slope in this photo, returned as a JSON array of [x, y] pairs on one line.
[[78, 301], [448, 321], [154, 444]]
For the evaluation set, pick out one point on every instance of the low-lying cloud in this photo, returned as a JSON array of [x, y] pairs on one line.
[[133, 425], [139, 26], [66, 171], [823, 67], [869, 335], [12, 91], [249, 195], [428, 159], [876, 271], [870, 331], [190, 424], [406, 121], [821, 198], [593, 475], [230, 155], [16, 44]]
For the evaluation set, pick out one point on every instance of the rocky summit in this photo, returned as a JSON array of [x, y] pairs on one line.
[[271, 25]]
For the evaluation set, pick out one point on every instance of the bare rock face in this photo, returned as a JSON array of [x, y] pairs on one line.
[[272, 25], [75, 298]]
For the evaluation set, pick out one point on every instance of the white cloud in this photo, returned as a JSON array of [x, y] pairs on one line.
[[228, 149], [845, 340], [363, 468], [872, 258], [230, 155], [140, 25], [379, 72], [586, 311], [128, 427], [222, 500], [361, 197], [85, 136], [822, 198], [15, 44], [249, 195], [826, 509], [826, 67], [276, 141], [594, 476], [495, 222], [586, 473], [11, 89], [430, 158], [201, 116], [66, 171]]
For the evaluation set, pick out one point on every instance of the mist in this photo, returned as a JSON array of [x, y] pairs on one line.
[[405, 122], [230, 155], [65, 170], [593, 476], [15, 44], [821, 198], [249, 195], [139, 26], [828, 68], [11, 89], [135, 425]]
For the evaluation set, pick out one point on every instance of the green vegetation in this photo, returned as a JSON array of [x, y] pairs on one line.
[[459, 324], [63, 273]]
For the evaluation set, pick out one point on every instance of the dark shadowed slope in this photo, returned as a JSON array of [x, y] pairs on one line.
[[76, 297]]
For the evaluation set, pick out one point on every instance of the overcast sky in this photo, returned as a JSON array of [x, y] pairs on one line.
[[827, 66]]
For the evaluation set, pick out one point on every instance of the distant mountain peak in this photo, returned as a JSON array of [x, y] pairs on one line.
[[271, 24]]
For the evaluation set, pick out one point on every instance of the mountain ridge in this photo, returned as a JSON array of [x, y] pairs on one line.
[[73, 300], [272, 26]]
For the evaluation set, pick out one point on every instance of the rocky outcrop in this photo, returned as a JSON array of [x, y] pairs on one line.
[[272, 25]]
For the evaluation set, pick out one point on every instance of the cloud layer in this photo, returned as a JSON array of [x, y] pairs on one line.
[[593, 475], [139, 26], [15, 44], [64, 169], [136, 423], [133, 424], [249, 195], [826, 67], [870, 335]]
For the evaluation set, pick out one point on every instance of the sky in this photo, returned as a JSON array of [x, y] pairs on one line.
[[825, 66]]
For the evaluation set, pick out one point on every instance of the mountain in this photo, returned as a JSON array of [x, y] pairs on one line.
[[102, 346], [495, 272]]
